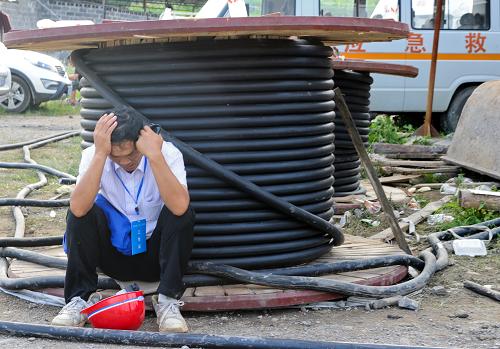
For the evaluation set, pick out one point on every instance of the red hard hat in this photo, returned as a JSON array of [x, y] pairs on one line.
[[121, 312]]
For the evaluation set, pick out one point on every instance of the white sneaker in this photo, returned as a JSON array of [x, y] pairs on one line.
[[94, 298], [70, 314], [169, 317]]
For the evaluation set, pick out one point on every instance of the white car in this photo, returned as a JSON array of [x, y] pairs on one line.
[[5, 81], [36, 78]]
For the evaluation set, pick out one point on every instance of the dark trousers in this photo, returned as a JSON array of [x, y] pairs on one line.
[[89, 246]]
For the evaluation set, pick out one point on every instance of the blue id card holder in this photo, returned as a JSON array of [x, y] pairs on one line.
[[138, 236]]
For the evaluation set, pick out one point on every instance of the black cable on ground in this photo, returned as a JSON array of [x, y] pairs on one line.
[[34, 203], [22, 144], [227, 273], [31, 242], [46, 169], [40, 282], [156, 339], [437, 244], [320, 284]]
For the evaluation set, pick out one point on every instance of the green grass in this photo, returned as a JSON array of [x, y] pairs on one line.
[[64, 156], [383, 129], [425, 140], [50, 108], [464, 216], [422, 200]]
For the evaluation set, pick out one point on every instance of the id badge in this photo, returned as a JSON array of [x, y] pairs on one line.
[[138, 237]]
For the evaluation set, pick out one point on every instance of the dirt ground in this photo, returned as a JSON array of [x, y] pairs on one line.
[[458, 319]]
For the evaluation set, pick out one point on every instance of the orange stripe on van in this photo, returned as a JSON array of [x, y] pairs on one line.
[[424, 56]]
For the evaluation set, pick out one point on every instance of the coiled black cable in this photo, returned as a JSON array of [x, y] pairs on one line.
[[355, 87], [261, 108]]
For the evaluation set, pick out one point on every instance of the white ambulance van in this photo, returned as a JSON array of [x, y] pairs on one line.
[[469, 48]]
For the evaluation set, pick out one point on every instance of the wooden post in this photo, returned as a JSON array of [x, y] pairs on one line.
[[427, 129], [490, 200], [370, 170]]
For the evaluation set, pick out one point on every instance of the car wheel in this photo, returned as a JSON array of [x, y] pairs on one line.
[[449, 120], [19, 97]]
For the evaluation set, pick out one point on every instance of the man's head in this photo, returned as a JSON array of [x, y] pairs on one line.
[[123, 138]]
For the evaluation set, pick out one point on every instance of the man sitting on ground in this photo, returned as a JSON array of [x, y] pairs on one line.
[[131, 187]]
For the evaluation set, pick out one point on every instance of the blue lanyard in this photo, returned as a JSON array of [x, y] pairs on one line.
[[140, 184]]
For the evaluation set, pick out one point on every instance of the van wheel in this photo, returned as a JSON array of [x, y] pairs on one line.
[[449, 120], [19, 97]]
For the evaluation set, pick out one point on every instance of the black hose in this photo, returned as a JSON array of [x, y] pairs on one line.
[[275, 120], [31, 242], [22, 144], [320, 284], [435, 239], [40, 282], [317, 269], [355, 87], [33, 257], [156, 339], [34, 203], [46, 169]]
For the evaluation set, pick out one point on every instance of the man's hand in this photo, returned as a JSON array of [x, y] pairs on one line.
[[149, 143], [102, 134]]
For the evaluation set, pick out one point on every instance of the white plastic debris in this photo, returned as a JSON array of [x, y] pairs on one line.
[[358, 213], [372, 206], [48, 23], [424, 189], [484, 187], [439, 218], [469, 247], [371, 222], [36, 297], [345, 219], [448, 189]]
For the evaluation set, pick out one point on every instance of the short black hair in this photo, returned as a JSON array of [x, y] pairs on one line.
[[129, 125]]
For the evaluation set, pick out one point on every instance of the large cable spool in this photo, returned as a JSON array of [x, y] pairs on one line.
[[355, 87], [261, 108]]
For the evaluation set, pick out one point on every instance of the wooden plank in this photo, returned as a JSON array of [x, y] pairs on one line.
[[237, 289], [188, 292], [209, 291], [384, 148], [404, 170], [259, 289], [376, 67], [383, 161], [329, 29], [398, 179]]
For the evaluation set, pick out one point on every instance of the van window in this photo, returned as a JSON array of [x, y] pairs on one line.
[[285, 7], [457, 14], [380, 9], [254, 8]]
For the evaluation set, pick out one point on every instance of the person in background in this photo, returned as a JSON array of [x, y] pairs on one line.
[[75, 84]]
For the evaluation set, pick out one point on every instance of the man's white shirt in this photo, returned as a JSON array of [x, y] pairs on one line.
[[149, 202]]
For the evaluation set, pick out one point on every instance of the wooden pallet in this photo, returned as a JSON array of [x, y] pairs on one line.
[[236, 297]]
